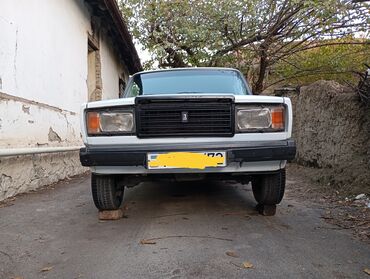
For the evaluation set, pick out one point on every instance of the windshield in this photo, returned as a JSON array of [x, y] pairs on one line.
[[188, 81]]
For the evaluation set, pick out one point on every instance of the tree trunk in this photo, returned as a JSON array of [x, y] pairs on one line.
[[259, 84]]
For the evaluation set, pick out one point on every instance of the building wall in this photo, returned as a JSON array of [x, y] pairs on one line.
[[111, 70], [25, 123], [44, 51], [43, 58], [331, 129], [43, 82]]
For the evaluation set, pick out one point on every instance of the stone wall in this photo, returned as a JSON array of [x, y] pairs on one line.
[[332, 131], [19, 174]]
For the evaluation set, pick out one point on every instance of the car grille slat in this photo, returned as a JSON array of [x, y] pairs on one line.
[[205, 117]]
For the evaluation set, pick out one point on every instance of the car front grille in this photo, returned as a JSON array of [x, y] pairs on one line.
[[158, 117]]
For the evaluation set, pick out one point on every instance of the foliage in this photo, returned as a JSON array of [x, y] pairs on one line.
[[341, 62], [253, 35]]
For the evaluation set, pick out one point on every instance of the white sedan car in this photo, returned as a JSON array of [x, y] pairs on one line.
[[188, 124]]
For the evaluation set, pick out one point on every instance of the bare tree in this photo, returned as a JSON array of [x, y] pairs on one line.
[[216, 33]]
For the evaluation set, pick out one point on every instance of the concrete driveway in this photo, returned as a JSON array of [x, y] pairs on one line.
[[200, 231]]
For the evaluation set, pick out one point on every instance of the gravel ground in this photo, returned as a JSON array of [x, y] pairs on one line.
[[341, 207]]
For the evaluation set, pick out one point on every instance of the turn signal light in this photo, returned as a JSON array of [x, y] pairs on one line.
[[277, 118], [93, 123]]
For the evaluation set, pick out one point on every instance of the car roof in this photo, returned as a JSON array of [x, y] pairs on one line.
[[188, 69]]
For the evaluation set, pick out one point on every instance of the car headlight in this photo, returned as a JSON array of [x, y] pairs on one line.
[[265, 118], [104, 122]]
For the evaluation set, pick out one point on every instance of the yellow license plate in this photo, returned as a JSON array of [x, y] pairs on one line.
[[186, 160]]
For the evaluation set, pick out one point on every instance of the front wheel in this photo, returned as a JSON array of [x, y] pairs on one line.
[[107, 195], [269, 189]]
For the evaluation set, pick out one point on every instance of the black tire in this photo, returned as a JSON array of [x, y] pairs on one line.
[[269, 189], [105, 192]]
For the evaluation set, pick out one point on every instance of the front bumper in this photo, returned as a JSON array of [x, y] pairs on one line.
[[239, 152]]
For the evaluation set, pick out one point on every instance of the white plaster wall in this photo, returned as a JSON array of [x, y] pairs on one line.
[[111, 69], [43, 82], [28, 125], [43, 51], [43, 58]]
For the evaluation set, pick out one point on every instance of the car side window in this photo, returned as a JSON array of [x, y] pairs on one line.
[[135, 87], [135, 90]]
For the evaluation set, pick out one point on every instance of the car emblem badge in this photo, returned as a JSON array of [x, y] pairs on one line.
[[184, 116]]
